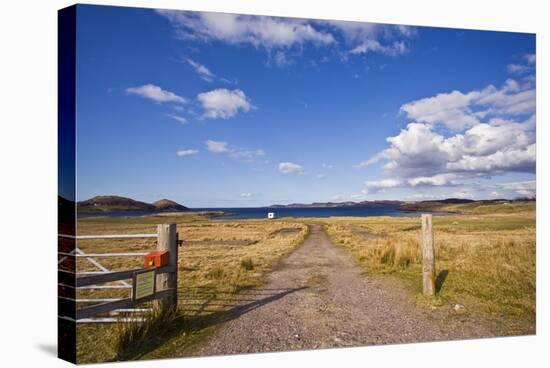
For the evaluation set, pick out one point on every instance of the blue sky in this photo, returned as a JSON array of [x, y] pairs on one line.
[[224, 110]]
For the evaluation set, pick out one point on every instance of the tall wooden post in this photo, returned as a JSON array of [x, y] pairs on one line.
[[428, 256], [167, 240]]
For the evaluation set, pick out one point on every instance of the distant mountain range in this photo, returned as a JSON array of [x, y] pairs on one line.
[[113, 203], [123, 204], [403, 205], [442, 203], [339, 204]]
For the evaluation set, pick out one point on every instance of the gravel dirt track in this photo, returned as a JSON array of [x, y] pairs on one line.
[[317, 298]]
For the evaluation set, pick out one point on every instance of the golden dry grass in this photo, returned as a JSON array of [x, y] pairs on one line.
[[489, 260], [492, 208], [221, 258]]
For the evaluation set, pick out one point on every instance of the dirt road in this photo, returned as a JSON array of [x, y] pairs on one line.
[[317, 298]]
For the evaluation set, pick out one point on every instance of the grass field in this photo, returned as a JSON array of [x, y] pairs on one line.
[[484, 262], [218, 260]]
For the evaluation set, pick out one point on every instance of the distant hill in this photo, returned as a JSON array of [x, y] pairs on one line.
[[166, 205], [468, 206], [433, 204], [455, 205], [338, 204], [122, 204]]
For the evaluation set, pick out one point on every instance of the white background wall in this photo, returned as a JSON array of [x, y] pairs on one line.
[[28, 188]]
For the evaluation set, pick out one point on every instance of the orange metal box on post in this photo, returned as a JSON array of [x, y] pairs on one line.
[[156, 258]]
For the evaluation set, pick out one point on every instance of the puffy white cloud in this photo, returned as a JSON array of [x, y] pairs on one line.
[[486, 148], [246, 195], [519, 160], [222, 103], [497, 134], [457, 110], [353, 32], [419, 156], [203, 72], [416, 151], [451, 109], [394, 49], [376, 185], [290, 168], [187, 152], [155, 93], [509, 99], [217, 146], [235, 29], [435, 180], [364, 37], [484, 137], [286, 33]]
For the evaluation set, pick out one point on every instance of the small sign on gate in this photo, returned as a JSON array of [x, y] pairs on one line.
[[143, 284]]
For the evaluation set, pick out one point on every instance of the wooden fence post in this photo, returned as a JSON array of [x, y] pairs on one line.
[[167, 240], [428, 256]]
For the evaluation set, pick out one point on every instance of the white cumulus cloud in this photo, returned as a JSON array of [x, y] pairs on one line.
[[155, 93], [290, 168], [376, 185], [271, 33], [486, 148], [394, 49], [457, 110], [251, 29], [222, 103], [458, 136]]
